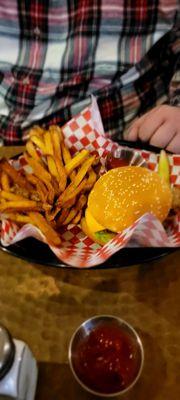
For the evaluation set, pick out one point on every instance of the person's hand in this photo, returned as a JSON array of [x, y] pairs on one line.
[[160, 127]]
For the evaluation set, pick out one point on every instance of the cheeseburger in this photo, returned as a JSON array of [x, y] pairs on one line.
[[120, 197]]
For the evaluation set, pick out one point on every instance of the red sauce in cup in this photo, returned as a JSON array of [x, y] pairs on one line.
[[108, 360], [115, 162]]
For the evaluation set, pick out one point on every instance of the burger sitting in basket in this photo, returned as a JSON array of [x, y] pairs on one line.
[[120, 197]]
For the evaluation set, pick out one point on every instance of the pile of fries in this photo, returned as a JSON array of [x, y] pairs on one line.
[[53, 189]]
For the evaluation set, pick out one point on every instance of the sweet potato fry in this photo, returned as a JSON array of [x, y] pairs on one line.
[[38, 169], [3, 201], [46, 228], [46, 207], [52, 167], [61, 209], [63, 215], [62, 198], [56, 144], [35, 196], [31, 150], [65, 153], [76, 161], [69, 203], [15, 175], [23, 219], [58, 130], [48, 143], [73, 193], [46, 185], [20, 205], [96, 160], [5, 181], [77, 218], [58, 159], [51, 214], [83, 170], [38, 141], [62, 175], [21, 191], [81, 202], [55, 184], [11, 196], [70, 216], [76, 212], [40, 186], [36, 130], [91, 179]]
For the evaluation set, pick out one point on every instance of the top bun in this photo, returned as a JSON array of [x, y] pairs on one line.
[[124, 194]]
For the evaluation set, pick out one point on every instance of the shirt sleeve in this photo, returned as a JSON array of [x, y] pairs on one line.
[[174, 87], [174, 93]]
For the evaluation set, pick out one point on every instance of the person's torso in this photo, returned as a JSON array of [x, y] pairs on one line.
[[65, 50]]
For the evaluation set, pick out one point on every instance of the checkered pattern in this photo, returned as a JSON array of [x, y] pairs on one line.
[[152, 162], [77, 250], [9, 231]]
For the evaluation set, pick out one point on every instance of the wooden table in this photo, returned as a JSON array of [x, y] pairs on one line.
[[43, 305]]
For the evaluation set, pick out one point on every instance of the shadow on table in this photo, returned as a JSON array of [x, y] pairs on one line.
[[57, 382], [109, 280]]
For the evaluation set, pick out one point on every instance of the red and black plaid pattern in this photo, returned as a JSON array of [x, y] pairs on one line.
[[26, 73], [55, 54]]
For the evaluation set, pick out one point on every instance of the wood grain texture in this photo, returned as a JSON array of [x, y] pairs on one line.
[[44, 305], [10, 151]]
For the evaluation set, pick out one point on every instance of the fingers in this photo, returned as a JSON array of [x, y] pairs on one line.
[[133, 131], [160, 127], [145, 126], [174, 145], [163, 135]]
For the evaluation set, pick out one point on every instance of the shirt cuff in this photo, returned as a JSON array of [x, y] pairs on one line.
[[175, 99]]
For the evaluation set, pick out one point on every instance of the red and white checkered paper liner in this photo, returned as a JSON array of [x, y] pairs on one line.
[[86, 131]]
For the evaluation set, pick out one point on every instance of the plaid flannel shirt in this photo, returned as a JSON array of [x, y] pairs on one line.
[[55, 53]]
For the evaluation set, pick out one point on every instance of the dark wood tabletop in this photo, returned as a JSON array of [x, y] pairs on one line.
[[43, 305]]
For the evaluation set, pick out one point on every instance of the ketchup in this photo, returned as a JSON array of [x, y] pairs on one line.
[[108, 360], [115, 162]]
